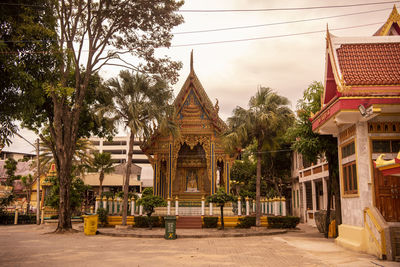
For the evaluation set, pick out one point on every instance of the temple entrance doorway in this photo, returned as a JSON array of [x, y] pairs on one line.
[[191, 180], [387, 195]]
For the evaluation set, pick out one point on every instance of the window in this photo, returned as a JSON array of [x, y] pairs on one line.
[[114, 143], [385, 146], [349, 171], [348, 150], [298, 204], [138, 177]]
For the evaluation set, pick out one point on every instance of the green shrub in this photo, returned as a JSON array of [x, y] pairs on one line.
[[8, 218], [102, 215], [210, 222], [246, 222], [54, 217], [283, 222], [142, 221]]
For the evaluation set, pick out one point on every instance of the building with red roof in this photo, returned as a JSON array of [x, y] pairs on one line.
[[361, 106]]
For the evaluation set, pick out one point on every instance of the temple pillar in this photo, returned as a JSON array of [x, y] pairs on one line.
[[169, 167], [227, 177], [212, 168], [155, 183]]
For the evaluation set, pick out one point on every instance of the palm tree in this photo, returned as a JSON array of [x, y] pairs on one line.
[[266, 119], [102, 163], [80, 160], [142, 104]]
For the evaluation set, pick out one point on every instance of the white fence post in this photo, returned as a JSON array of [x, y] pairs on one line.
[[176, 206], [247, 206], [203, 203], [168, 206], [239, 206]]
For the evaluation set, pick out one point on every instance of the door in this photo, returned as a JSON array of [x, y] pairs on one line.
[[387, 195]]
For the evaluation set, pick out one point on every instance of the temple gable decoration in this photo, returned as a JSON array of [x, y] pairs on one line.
[[194, 164]]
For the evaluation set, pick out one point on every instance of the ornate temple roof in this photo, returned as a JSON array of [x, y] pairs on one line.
[[391, 26], [193, 83]]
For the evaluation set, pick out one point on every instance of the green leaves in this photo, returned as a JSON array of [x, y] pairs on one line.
[[150, 201], [220, 197]]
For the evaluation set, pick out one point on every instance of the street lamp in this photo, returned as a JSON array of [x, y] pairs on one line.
[[38, 177]]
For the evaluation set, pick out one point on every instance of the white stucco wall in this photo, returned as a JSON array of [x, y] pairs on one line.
[[352, 207]]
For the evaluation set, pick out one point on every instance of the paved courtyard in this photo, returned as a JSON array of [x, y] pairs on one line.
[[30, 245]]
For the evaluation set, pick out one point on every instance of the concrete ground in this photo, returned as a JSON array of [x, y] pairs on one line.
[[31, 245]]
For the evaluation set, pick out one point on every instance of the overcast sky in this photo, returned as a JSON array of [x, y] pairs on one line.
[[233, 71]]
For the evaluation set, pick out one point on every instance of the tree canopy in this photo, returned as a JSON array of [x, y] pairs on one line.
[[313, 146], [262, 124], [67, 43]]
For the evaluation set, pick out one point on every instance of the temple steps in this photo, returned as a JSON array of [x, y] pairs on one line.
[[188, 222]]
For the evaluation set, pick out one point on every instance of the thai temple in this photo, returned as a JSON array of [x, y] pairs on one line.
[[194, 164], [361, 107]]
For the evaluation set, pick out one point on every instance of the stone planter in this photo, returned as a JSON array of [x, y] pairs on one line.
[[320, 216]]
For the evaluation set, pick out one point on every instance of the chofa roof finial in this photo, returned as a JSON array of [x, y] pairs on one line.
[[191, 62]]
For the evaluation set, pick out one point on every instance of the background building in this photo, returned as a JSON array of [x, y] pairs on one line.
[[309, 188], [118, 148]]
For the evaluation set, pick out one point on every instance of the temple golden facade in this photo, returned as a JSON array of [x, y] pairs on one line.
[[194, 164]]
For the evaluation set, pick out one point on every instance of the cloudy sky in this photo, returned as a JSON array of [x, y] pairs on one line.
[[232, 71]]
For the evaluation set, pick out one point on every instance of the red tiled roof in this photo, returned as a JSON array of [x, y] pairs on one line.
[[370, 64]]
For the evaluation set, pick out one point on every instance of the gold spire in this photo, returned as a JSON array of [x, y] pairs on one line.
[[191, 62]]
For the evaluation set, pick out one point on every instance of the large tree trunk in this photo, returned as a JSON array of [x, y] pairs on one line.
[[328, 207], [101, 179], [64, 212], [333, 183], [127, 175], [258, 189], [28, 201]]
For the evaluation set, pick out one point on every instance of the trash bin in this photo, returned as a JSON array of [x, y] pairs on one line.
[[90, 224], [170, 227]]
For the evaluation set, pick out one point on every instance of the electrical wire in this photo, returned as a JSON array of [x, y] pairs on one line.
[[274, 36], [280, 9], [233, 28], [280, 23], [217, 42]]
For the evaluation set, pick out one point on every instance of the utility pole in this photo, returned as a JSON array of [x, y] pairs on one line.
[[38, 184]]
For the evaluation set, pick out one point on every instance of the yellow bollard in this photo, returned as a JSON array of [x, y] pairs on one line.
[[332, 229]]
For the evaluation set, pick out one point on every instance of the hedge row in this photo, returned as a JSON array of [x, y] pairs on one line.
[[142, 221], [249, 221], [210, 222], [22, 218], [283, 222]]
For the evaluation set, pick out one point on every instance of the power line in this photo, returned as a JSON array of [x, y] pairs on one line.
[[220, 42], [233, 28], [280, 9], [243, 10], [280, 23], [273, 36]]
